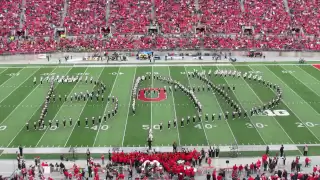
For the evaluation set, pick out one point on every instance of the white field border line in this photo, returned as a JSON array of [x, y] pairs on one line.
[[174, 107], [10, 77], [83, 107], [28, 118], [315, 67], [125, 126], [235, 95], [17, 86], [58, 111], [310, 74], [107, 105], [234, 137], [290, 108], [262, 102], [201, 120], [21, 101]]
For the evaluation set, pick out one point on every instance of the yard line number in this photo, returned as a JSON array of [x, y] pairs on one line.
[[13, 74], [256, 125], [306, 124], [254, 72], [287, 72], [279, 112], [53, 128], [198, 126], [2, 128], [155, 73]]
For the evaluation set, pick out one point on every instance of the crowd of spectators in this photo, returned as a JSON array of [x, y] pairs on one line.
[[85, 17], [274, 27], [130, 16], [41, 17]]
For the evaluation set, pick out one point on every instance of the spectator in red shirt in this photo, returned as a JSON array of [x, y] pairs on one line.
[[102, 159], [240, 169]]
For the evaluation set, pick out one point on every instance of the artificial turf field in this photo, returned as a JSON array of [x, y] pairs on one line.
[[295, 121]]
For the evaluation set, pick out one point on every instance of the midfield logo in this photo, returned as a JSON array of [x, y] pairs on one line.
[[146, 94]]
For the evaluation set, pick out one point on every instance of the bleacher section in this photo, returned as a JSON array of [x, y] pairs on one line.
[[272, 25]]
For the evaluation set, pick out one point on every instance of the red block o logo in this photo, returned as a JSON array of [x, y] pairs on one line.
[[161, 95]]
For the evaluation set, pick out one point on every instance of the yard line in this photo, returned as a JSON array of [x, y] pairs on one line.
[[59, 108], [309, 73], [303, 82], [125, 126], [290, 108], [105, 109], [248, 116], [234, 137], [152, 97], [8, 78], [17, 86], [174, 107], [81, 113], [4, 71], [20, 130], [262, 103], [201, 120], [21, 102]]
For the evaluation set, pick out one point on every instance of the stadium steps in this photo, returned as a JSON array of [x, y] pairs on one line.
[[107, 11], [285, 3], [64, 13], [153, 10], [22, 14], [242, 5]]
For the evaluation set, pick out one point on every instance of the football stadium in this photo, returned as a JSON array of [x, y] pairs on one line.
[[158, 89]]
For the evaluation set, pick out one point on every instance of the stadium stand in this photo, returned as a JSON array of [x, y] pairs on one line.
[[41, 17], [9, 16], [175, 17], [267, 17], [276, 25], [85, 17], [221, 16], [129, 16]]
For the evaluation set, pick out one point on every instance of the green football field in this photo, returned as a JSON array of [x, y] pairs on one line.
[[295, 121]]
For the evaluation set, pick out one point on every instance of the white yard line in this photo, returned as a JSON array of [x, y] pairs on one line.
[[58, 110], [234, 137], [17, 86], [262, 103], [107, 105], [31, 115], [21, 102], [290, 108], [81, 111], [4, 71], [174, 107], [310, 75], [9, 78], [303, 82], [125, 126], [152, 97], [201, 120], [235, 95]]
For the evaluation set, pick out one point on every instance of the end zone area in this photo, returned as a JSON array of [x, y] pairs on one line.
[[296, 120]]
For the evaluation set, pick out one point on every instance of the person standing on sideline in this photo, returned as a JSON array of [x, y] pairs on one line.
[[174, 146], [305, 150], [21, 150], [281, 150], [284, 159], [102, 159], [267, 150]]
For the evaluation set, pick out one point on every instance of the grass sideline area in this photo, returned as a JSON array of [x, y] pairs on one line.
[[295, 121]]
